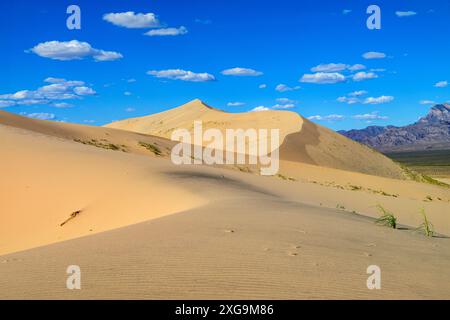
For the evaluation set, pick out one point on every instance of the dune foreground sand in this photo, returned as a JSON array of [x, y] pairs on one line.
[[112, 202]]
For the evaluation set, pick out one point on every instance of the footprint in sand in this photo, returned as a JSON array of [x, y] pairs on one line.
[[367, 254], [229, 231], [293, 254]]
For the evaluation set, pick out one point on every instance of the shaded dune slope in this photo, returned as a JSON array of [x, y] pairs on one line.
[[300, 139]]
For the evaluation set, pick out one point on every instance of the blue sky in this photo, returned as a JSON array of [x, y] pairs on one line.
[[122, 65]]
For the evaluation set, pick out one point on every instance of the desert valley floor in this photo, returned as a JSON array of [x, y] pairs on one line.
[[146, 228]]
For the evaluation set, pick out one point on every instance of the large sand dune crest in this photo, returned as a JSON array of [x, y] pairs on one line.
[[300, 139]]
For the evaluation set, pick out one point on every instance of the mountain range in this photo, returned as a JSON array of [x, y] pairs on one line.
[[429, 132]]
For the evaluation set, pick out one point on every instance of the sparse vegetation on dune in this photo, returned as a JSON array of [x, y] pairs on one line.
[[151, 147], [282, 176], [387, 218], [426, 227], [383, 193], [419, 177], [244, 169], [104, 145]]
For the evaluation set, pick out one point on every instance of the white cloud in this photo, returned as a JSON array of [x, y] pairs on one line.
[[346, 11], [72, 50], [330, 117], [285, 88], [351, 100], [402, 14], [102, 55], [262, 86], [30, 102], [132, 80], [127, 93], [58, 89], [259, 108], [441, 84], [241, 72], [361, 76], [84, 91], [235, 104], [378, 100], [41, 116], [329, 67], [61, 105], [283, 103], [285, 100], [132, 20], [7, 103], [283, 106], [167, 32], [357, 93], [323, 78], [369, 116], [374, 55], [336, 67], [354, 97], [54, 80], [425, 102], [130, 109], [356, 67], [179, 74]]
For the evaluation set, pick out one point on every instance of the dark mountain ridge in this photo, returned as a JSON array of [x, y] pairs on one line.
[[429, 132]]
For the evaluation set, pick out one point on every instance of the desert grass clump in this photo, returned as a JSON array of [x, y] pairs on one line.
[[420, 177], [103, 145], [426, 227], [387, 218], [282, 176], [151, 147]]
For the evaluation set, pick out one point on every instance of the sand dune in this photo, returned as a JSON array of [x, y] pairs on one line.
[[44, 180], [164, 123], [259, 247], [320, 146], [300, 139], [150, 229], [89, 135]]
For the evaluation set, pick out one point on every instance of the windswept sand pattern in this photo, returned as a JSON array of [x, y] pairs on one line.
[[191, 255]]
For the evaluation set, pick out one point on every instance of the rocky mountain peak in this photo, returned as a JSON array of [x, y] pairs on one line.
[[438, 113]]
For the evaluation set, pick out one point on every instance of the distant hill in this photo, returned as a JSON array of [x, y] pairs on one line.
[[430, 132]]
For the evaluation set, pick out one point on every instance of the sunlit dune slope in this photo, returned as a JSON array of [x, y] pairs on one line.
[[300, 139], [54, 189]]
